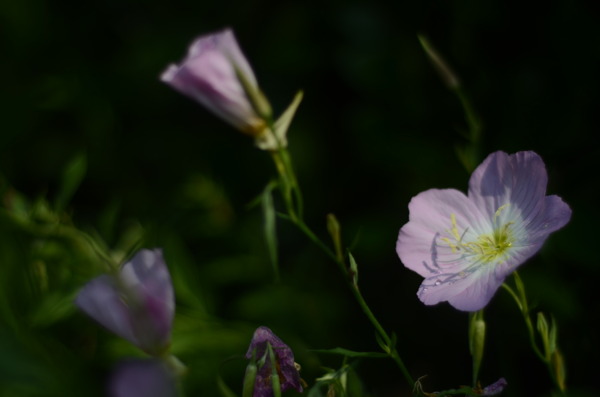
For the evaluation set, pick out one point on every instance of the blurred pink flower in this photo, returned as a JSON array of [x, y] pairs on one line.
[[465, 246], [137, 304]]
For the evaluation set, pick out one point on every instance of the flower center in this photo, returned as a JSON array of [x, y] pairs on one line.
[[486, 248]]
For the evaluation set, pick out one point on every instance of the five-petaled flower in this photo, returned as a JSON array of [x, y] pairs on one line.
[[264, 345], [137, 303], [465, 246], [216, 74]]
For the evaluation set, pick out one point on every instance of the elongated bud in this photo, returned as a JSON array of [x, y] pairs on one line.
[[476, 341], [250, 377], [275, 381], [275, 369], [542, 327], [333, 227], [559, 369]]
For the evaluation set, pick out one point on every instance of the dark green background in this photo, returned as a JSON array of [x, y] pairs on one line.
[[375, 128]]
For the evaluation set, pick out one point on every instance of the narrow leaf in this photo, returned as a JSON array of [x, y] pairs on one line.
[[71, 179], [224, 389], [350, 353]]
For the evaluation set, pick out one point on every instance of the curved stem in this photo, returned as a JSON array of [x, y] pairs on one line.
[[525, 312], [392, 351], [292, 197]]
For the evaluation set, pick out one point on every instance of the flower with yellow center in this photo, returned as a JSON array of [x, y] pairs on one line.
[[466, 245]]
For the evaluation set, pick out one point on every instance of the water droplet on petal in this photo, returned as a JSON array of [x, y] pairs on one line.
[[424, 289], [437, 282]]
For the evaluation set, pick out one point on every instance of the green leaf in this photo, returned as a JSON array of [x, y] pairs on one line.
[[52, 308], [71, 179], [224, 389], [350, 353]]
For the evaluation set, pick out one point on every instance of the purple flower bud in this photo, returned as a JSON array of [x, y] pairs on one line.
[[495, 388], [210, 74], [289, 378], [137, 304], [141, 378]]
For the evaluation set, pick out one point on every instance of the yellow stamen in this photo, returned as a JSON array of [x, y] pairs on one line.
[[486, 248]]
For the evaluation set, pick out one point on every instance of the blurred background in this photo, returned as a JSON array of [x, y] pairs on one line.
[[377, 126]]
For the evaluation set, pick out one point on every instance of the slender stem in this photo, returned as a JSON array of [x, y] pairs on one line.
[[294, 204], [525, 312], [393, 352], [521, 299], [286, 184]]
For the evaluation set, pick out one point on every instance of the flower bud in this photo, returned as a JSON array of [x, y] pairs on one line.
[[216, 74], [273, 357]]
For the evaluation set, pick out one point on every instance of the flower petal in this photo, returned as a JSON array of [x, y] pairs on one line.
[[554, 215], [518, 180], [469, 291], [227, 44], [420, 242], [146, 276], [208, 75], [141, 378], [101, 300]]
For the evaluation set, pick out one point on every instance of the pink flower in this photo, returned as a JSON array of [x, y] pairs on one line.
[[137, 304], [216, 74], [465, 246], [210, 74]]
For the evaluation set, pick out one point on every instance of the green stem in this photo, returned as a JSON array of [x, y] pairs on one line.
[[393, 352], [294, 204], [521, 299], [525, 312]]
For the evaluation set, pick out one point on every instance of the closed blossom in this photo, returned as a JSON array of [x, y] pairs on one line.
[[210, 74], [284, 365]]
